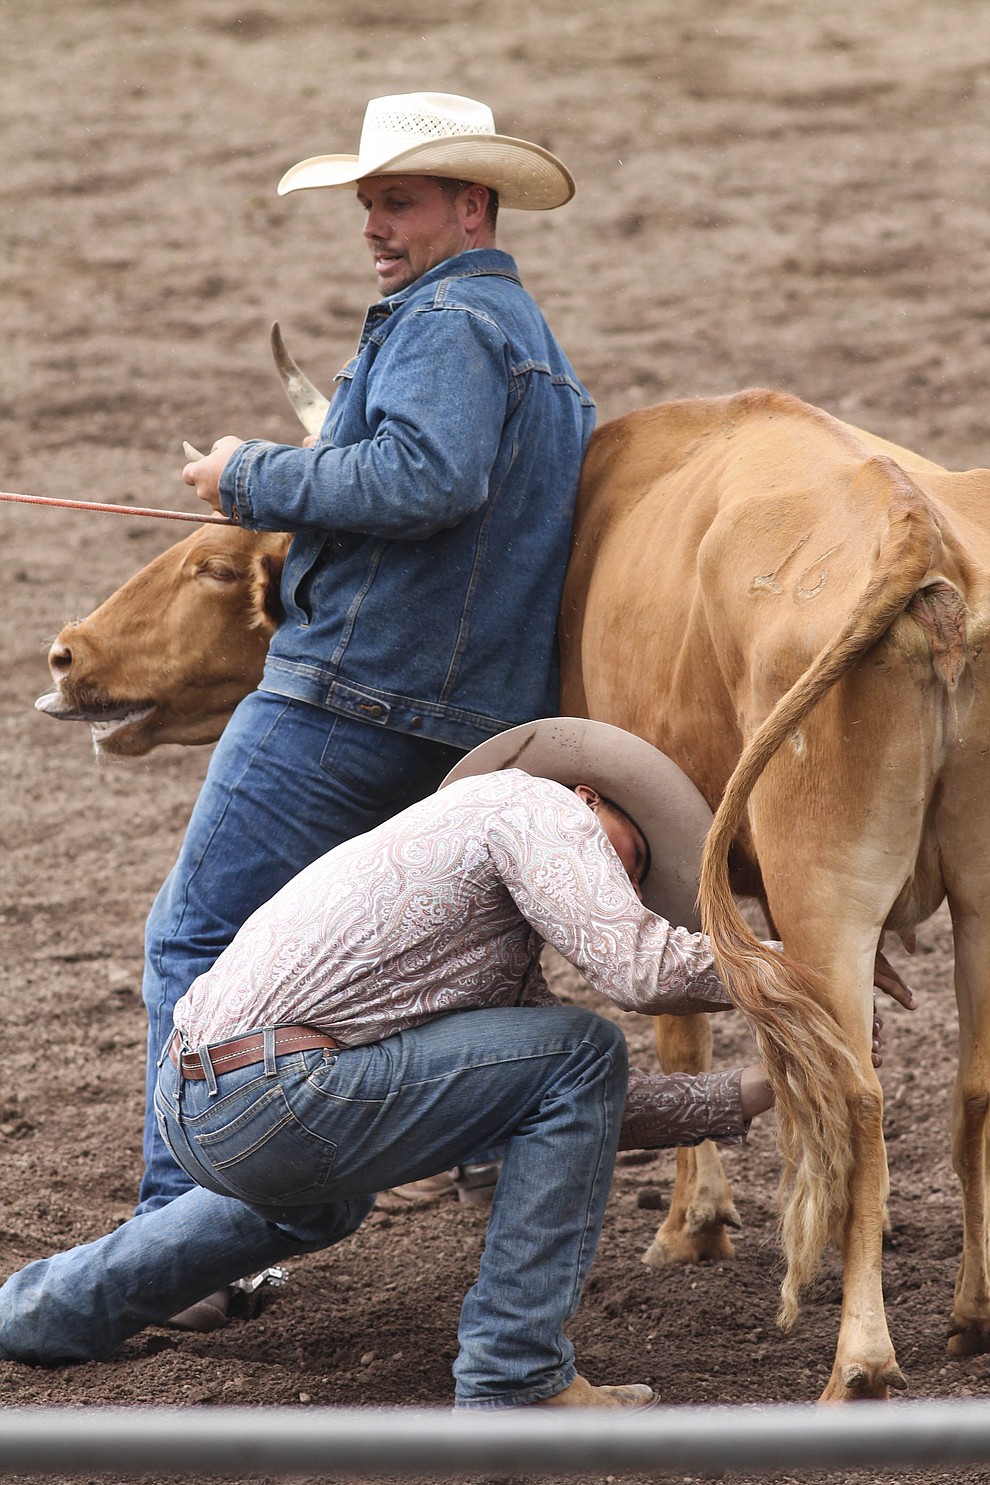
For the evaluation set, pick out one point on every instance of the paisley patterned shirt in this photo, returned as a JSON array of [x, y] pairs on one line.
[[446, 907]]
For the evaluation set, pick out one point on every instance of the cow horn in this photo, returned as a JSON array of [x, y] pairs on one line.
[[309, 405]]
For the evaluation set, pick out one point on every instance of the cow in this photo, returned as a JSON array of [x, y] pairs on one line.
[[794, 610], [169, 655]]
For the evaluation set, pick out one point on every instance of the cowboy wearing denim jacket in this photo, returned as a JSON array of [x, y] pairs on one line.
[[431, 520]]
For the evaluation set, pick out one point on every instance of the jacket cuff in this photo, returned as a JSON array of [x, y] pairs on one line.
[[672, 1110], [235, 499]]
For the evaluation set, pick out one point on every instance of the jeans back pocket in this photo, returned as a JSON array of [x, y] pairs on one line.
[[265, 1155]]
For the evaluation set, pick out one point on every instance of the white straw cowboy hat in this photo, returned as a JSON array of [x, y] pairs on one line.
[[441, 134], [667, 807]]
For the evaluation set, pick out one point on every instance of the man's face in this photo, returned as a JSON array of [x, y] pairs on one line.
[[628, 844], [625, 837], [410, 227]]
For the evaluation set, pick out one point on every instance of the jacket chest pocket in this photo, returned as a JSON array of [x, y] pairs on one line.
[[309, 554]]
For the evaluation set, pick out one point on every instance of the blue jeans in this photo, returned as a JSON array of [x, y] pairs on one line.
[[82, 1304], [286, 783], [304, 1140]]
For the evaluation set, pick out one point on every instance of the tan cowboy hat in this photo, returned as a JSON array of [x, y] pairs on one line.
[[669, 810], [441, 134]]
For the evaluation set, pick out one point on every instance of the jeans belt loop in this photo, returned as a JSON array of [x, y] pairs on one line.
[[207, 1066], [176, 1040], [271, 1070]]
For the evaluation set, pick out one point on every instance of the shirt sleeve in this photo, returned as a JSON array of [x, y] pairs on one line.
[[437, 400], [671, 1110], [559, 866]]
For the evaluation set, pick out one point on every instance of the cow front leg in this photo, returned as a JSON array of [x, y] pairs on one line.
[[969, 1329], [701, 1207]]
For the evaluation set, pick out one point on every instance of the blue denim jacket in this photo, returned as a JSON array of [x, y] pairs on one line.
[[432, 519]]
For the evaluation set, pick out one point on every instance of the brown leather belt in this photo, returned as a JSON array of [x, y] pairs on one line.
[[243, 1050]]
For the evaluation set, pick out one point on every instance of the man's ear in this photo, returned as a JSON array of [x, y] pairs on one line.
[[475, 205], [588, 795]]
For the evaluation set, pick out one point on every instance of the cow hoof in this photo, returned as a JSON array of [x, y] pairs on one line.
[[710, 1244], [856, 1381], [709, 1218], [968, 1337]]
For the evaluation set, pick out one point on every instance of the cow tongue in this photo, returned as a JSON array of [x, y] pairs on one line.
[[54, 704]]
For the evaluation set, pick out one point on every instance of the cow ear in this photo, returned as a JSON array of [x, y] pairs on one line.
[[265, 600]]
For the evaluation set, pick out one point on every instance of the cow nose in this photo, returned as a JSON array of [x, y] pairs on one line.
[[60, 660]]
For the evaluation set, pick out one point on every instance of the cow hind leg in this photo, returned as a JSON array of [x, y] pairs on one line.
[[701, 1211], [865, 1366], [969, 1329]]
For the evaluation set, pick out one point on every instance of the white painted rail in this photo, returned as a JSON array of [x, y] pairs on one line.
[[338, 1443]]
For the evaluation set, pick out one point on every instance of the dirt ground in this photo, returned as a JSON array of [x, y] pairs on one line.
[[771, 192]]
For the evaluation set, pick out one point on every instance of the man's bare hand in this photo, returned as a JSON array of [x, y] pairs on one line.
[[887, 979], [755, 1092], [204, 474]]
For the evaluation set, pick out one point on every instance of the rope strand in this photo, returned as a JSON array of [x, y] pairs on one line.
[[118, 510]]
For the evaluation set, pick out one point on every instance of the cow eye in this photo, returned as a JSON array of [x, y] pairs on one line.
[[220, 571]]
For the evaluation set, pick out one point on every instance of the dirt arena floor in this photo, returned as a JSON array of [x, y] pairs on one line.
[[771, 192]]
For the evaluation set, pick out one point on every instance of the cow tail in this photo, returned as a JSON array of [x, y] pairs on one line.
[[812, 1067]]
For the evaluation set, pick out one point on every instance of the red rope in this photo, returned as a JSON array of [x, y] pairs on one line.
[[119, 510]]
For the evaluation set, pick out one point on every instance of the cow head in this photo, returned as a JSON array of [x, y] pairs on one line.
[[169, 655]]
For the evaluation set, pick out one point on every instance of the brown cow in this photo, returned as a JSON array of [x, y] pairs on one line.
[[172, 652], [169, 655], [794, 611]]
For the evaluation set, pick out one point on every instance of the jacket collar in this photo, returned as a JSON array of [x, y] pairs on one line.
[[475, 262]]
